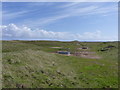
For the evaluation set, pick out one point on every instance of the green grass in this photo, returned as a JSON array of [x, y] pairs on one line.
[[33, 64]]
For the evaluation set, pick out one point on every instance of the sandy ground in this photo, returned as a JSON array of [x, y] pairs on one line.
[[86, 54]]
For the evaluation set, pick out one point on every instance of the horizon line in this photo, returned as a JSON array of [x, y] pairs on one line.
[[68, 40]]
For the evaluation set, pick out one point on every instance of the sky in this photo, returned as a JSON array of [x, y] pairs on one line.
[[83, 21]]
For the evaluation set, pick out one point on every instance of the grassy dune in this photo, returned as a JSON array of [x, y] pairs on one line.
[[34, 64]]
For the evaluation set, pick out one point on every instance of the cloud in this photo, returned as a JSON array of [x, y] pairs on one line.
[[13, 32], [68, 10], [65, 10], [7, 15]]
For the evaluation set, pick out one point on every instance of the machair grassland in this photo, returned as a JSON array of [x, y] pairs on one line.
[[35, 64]]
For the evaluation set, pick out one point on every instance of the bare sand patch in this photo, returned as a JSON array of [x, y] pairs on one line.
[[86, 54]]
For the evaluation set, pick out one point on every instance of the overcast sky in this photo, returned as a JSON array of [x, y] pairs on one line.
[[60, 21]]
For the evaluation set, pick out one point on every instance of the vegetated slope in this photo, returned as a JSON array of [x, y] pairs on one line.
[[32, 64]]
